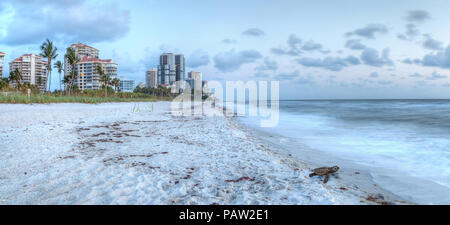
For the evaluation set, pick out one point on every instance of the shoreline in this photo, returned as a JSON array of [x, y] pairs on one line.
[[354, 180], [113, 154], [364, 179]]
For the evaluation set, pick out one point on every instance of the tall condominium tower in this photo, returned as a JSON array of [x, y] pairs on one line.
[[32, 68], [171, 68], [81, 50], [151, 78], [2, 60], [88, 77], [179, 67]]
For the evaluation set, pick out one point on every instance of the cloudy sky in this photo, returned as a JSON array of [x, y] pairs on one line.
[[316, 49]]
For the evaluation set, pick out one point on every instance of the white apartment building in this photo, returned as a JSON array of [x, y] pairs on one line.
[[33, 70], [2, 60], [88, 77], [151, 78]]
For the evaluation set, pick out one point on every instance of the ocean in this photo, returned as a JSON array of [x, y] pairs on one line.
[[407, 140]]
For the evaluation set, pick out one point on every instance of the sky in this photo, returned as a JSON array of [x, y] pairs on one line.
[[323, 49]]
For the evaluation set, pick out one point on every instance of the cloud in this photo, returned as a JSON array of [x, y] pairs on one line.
[[416, 75], [385, 82], [231, 61], [369, 31], [295, 78], [411, 32], [440, 59], [302, 80], [418, 16], [254, 32], [229, 41], [261, 75], [128, 67], [411, 61], [311, 46], [414, 18], [372, 57], [67, 20], [287, 76], [402, 37], [295, 47], [267, 65], [198, 58], [329, 63], [431, 43], [436, 76], [374, 75], [355, 44], [292, 49]]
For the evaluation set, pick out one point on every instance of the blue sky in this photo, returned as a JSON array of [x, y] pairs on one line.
[[317, 49]]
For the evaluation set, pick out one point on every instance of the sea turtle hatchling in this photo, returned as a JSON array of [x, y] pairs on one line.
[[324, 171]]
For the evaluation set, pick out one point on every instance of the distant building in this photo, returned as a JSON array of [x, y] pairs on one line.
[[151, 78], [195, 75], [2, 60], [142, 85], [88, 78], [33, 70], [171, 68], [126, 85], [192, 82], [180, 67]]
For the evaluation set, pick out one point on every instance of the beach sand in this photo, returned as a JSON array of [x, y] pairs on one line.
[[139, 153]]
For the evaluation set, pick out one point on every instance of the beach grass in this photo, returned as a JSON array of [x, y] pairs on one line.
[[48, 99]]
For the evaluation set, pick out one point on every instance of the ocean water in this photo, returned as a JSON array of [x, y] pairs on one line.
[[409, 138]]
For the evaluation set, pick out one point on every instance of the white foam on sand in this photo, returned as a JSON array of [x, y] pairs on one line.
[[118, 153]]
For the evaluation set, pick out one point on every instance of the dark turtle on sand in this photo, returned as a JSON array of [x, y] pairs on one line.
[[324, 171]]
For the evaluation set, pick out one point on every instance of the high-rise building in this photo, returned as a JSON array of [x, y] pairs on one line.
[[88, 77], [171, 68], [179, 67], [126, 85], [193, 78], [32, 68], [81, 50], [2, 60], [151, 78]]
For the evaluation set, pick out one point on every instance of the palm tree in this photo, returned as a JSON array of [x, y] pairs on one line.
[[116, 83], [59, 66], [104, 78], [4, 82], [49, 52], [39, 82], [15, 77], [72, 59]]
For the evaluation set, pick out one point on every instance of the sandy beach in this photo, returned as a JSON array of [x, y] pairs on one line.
[[138, 153]]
